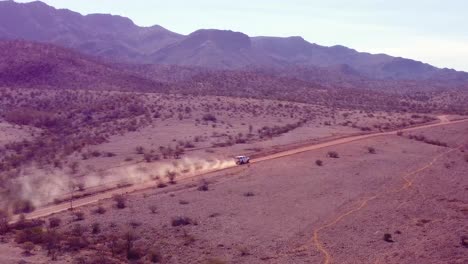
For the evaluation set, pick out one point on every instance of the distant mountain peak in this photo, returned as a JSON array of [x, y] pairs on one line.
[[117, 38]]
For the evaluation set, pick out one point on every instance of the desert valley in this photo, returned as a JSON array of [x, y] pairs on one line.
[[118, 144]]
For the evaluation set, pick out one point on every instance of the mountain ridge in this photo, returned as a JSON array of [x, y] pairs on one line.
[[117, 38]]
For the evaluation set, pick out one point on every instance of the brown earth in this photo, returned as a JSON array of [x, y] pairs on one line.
[[289, 210]]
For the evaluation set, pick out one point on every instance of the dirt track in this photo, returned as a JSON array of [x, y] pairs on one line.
[[48, 210]]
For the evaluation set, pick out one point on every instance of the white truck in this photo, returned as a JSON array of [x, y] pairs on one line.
[[241, 160]]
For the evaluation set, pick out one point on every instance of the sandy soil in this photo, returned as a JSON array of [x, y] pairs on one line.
[[289, 210]]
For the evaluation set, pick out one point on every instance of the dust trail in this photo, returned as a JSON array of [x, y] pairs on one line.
[[42, 187]]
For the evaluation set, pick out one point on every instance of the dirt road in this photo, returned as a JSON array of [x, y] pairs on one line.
[[51, 209]]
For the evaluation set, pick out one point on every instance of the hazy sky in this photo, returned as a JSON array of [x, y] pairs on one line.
[[433, 31]]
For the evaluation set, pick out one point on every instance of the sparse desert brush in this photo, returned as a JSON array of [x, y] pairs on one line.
[[23, 206], [319, 163], [249, 194], [466, 157], [153, 209], [78, 215], [400, 133], [120, 201], [140, 150], [203, 186], [54, 222], [464, 241], [100, 210], [209, 117], [371, 150], [171, 175], [181, 221], [155, 255], [333, 154], [388, 238], [161, 185], [95, 228]]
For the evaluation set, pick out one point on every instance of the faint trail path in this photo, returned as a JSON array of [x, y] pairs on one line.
[[94, 198], [408, 182]]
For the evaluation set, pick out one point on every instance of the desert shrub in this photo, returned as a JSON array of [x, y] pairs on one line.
[[140, 150], [161, 185], [153, 209], [249, 194], [464, 241], [400, 133], [54, 222], [203, 186], [371, 150], [466, 157], [79, 216], [155, 256], [388, 237], [188, 144], [80, 187], [34, 235], [135, 223], [100, 210], [135, 253], [183, 202], [22, 223], [76, 243], [244, 251], [333, 154], [78, 230], [209, 117], [171, 175], [109, 154], [181, 221], [319, 163], [120, 201], [23, 206], [96, 153], [95, 228]]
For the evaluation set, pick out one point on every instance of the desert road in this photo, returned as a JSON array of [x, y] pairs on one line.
[[94, 198]]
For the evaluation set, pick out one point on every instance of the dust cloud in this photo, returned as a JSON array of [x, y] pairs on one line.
[[42, 187]]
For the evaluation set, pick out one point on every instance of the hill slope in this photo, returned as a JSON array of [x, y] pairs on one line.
[[118, 38], [97, 34], [27, 64]]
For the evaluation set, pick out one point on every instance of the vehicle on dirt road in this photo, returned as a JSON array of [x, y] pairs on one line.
[[241, 160]]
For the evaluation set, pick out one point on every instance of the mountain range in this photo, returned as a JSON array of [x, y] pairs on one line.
[[118, 39]]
